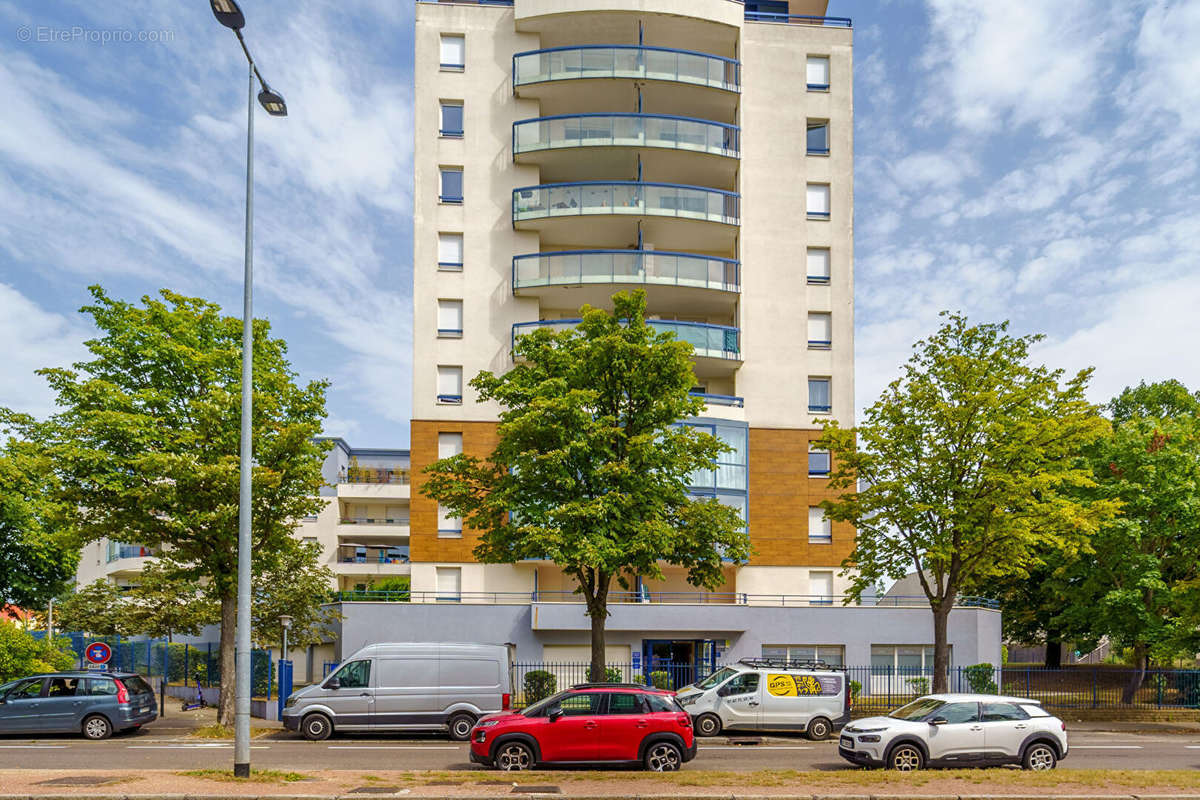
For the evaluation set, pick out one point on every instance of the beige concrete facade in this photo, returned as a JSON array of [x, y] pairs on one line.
[[594, 84]]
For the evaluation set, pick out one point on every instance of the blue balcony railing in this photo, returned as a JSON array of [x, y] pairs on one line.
[[625, 130], [625, 61], [708, 341], [798, 19], [586, 198], [657, 267], [719, 399]]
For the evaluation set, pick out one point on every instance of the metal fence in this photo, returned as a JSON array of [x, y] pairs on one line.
[[878, 688]]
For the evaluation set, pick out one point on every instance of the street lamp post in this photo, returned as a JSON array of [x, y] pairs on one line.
[[286, 622], [229, 15]]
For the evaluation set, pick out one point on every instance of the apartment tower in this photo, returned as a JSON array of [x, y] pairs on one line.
[[700, 150]]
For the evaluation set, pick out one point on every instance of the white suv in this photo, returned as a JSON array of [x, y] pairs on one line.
[[958, 730]]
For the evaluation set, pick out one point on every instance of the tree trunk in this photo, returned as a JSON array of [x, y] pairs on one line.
[[941, 646], [1139, 674], [1053, 653], [598, 611], [226, 709]]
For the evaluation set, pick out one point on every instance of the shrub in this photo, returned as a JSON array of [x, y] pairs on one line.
[[21, 654], [855, 691], [660, 679], [1004, 655], [980, 677], [919, 685], [613, 675], [539, 684]]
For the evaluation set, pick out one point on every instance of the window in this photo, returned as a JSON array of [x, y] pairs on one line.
[[819, 397], [832, 654], [449, 444], [1003, 712], [820, 527], [63, 687], [450, 252], [449, 527], [816, 200], [449, 319], [820, 587], [818, 265], [958, 713], [818, 73], [818, 463], [746, 683], [620, 703], [583, 704], [452, 119], [452, 185], [903, 659], [449, 584], [355, 675], [818, 137], [26, 690], [449, 385], [454, 51], [820, 330], [102, 687]]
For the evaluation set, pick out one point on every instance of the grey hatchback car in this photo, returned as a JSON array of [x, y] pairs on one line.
[[96, 704]]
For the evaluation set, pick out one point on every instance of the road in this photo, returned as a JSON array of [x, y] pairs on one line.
[[146, 750]]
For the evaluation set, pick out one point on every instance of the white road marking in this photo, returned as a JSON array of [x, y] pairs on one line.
[[203, 746], [1192, 746], [388, 747], [34, 746], [1107, 747]]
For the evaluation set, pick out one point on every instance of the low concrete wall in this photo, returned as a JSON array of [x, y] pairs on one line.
[[262, 709]]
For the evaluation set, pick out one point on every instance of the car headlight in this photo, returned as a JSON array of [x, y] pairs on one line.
[[487, 723], [874, 738], [687, 700], [291, 701]]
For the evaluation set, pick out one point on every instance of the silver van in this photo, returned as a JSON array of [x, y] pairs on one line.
[[767, 694], [407, 686]]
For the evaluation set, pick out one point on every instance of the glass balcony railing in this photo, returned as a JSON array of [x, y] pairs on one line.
[[625, 61], [383, 473], [368, 554], [625, 130], [708, 341], [587, 198], [574, 267], [119, 550]]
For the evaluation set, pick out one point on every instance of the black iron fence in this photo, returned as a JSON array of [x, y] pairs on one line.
[[882, 688]]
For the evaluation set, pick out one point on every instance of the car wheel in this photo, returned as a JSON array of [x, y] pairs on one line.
[[663, 757], [514, 757], [97, 727], [460, 727], [819, 729], [906, 758], [1039, 756], [316, 727], [708, 725]]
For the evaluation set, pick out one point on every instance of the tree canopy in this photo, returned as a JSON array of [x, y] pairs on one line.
[[592, 466], [966, 468]]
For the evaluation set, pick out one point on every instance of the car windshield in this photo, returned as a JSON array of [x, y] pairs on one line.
[[538, 709], [917, 709], [717, 678]]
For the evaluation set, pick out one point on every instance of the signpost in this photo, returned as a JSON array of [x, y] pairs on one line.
[[97, 655]]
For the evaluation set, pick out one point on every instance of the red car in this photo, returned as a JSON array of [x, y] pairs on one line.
[[587, 724]]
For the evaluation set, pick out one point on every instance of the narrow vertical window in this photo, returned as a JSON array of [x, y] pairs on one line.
[[452, 185], [819, 401], [817, 142], [818, 463], [449, 584], [450, 319], [818, 265], [450, 252], [449, 526], [820, 330], [452, 119], [818, 73], [820, 527], [820, 587], [817, 200], [449, 444], [453, 51], [449, 385]]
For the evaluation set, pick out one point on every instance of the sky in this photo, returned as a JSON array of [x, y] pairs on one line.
[[1029, 161]]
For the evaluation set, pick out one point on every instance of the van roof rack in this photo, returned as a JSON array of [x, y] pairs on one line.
[[783, 663], [611, 686]]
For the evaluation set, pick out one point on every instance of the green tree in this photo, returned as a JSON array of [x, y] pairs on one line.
[[1141, 585], [38, 556], [1038, 603], [293, 582], [97, 609], [21, 654], [166, 602], [965, 469], [146, 442], [591, 470]]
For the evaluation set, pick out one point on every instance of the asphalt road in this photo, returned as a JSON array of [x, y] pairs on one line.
[[146, 750]]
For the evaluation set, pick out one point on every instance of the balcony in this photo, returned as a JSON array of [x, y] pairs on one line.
[[355, 559], [382, 481], [675, 148], [607, 213], [716, 347], [676, 281], [680, 81], [376, 526]]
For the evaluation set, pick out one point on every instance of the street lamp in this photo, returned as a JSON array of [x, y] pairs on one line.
[[286, 622], [229, 15]]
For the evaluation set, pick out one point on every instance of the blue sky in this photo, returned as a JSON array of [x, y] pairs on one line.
[[1024, 160]]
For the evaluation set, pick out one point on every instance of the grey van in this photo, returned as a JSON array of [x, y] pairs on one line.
[[96, 704], [406, 686]]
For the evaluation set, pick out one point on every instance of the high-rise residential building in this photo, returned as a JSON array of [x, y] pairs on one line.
[[701, 150]]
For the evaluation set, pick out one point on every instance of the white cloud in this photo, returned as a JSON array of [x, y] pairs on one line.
[[34, 338]]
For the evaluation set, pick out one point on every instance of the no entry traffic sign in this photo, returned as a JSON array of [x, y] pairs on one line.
[[97, 653]]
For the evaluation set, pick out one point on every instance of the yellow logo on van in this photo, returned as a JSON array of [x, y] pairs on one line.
[[793, 685]]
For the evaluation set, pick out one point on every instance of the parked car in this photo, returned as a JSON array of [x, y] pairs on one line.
[[96, 704], [958, 730], [406, 687], [767, 694], [586, 724]]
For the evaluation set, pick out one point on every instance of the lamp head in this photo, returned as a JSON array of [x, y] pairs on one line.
[[272, 101], [285, 621], [228, 14]]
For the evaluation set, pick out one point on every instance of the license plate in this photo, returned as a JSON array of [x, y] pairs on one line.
[[144, 710], [846, 742]]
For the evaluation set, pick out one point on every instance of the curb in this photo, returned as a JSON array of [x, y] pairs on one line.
[[611, 797]]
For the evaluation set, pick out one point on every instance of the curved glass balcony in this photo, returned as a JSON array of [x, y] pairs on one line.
[[574, 267], [625, 130], [708, 341], [625, 61], [624, 197]]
